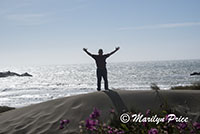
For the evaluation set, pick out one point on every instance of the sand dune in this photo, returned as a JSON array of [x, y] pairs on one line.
[[44, 118]]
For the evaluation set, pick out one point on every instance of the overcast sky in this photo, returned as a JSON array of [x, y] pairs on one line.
[[55, 31]]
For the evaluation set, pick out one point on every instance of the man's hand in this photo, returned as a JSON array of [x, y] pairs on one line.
[[117, 48], [85, 49]]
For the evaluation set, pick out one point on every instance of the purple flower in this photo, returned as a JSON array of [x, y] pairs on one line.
[[110, 128], [182, 125], [61, 127], [110, 131], [63, 122], [93, 128], [120, 132], [115, 131], [196, 125], [95, 122], [95, 113], [153, 131], [148, 112], [90, 124], [66, 121]]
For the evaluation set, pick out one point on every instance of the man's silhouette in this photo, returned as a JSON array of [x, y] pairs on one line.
[[100, 60]]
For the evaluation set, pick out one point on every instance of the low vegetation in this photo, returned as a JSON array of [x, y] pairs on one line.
[[5, 108], [194, 86]]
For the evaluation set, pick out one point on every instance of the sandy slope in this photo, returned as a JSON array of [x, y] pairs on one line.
[[44, 118]]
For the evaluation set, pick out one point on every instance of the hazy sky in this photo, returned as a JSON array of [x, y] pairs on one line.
[[55, 31]]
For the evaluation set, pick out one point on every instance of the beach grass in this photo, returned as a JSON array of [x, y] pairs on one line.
[[5, 108], [194, 86]]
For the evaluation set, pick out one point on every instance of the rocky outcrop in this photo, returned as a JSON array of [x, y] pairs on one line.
[[8, 73], [195, 73]]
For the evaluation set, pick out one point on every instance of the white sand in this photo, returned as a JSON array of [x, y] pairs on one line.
[[44, 118]]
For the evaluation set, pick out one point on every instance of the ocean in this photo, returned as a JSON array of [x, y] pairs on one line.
[[55, 81]]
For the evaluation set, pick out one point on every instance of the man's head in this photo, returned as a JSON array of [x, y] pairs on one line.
[[100, 52]]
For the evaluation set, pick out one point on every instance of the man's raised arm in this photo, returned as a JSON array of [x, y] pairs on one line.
[[84, 49], [116, 49]]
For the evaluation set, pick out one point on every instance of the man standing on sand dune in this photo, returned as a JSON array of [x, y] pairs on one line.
[[100, 60]]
